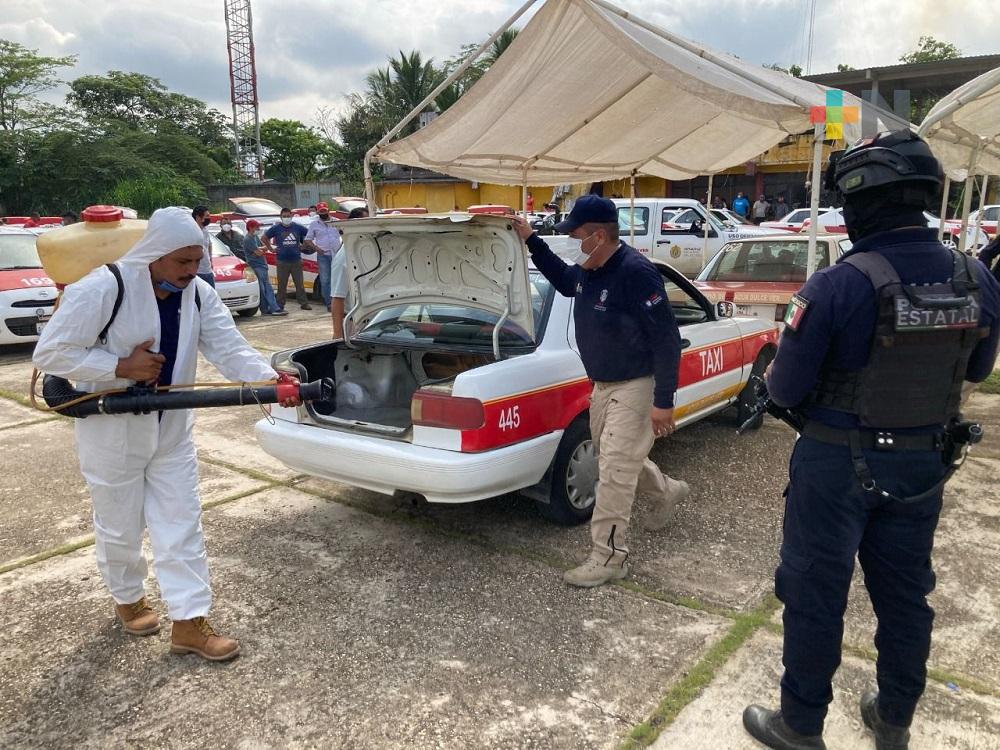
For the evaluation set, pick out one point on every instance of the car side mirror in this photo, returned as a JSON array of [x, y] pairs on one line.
[[725, 309]]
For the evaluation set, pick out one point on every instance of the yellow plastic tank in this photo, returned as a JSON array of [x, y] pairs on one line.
[[103, 236]]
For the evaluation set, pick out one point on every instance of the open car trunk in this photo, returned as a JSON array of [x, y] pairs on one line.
[[374, 384]]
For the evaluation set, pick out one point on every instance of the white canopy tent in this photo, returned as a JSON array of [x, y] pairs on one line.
[[589, 92], [963, 130]]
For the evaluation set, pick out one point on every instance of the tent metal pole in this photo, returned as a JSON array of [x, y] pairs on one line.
[[982, 207], [524, 193], [944, 206], [631, 210], [818, 133], [708, 223], [966, 206], [970, 180], [415, 112]]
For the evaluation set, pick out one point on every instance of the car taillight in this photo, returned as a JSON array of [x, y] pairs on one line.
[[430, 409]]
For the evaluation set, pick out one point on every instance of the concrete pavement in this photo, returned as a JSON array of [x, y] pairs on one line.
[[367, 622]]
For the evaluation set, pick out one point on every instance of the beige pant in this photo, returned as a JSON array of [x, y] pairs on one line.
[[622, 430]]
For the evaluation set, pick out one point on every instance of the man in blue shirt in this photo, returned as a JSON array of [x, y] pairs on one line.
[[630, 346], [741, 205], [285, 240], [873, 356], [254, 252]]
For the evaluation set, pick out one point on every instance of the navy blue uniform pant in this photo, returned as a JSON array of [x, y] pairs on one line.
[[829, 519]]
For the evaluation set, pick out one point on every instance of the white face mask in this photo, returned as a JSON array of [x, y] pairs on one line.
[[226, 227], [575, 253], [286, 221]]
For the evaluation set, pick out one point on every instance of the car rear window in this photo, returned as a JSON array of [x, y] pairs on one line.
[[766, 261], [457, 325], [18, 251]]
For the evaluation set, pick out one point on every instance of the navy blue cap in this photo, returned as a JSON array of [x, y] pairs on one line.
[[589, 209]]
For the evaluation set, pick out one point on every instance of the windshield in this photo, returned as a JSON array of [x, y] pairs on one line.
[[797, 216], [256, 206], [219, 247], [18, 251], [773, 260], [639, 219], [455, 325]]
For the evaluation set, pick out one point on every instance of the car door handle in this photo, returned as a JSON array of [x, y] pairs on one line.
[[685, 343]]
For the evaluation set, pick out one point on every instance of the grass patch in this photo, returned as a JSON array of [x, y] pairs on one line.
[[699, 677], [991, 384], [937, 675], [88, 541], [20, 398]]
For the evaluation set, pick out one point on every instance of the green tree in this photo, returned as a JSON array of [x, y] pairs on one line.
[[844, 68], [292, 151], [23, 75], [794, 70], [930, 49], [155, 189]]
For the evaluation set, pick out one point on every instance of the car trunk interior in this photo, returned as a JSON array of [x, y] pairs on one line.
[[375, 384]]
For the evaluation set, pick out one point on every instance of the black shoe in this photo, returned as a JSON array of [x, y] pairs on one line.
[[887, 736], [769, 728], [307, 306]]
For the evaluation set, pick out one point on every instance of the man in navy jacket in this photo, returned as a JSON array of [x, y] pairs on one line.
[[630, 347]]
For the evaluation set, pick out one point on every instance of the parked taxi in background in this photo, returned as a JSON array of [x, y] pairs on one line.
[[760, 275], [27, 294], [461, 379]]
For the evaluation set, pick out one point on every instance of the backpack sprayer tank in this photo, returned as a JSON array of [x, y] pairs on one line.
[[70, 253]]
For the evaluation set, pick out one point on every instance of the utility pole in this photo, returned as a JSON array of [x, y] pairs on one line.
[[812, 31], [243, 88]]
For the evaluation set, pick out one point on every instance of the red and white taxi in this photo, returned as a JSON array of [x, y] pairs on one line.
[[235, 281], [793, 221], [463, 381], [988, 224], [27, 294], [761, 274]]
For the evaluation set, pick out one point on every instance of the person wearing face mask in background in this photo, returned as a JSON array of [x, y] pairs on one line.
[[288, 237], [253, 251], [231, 238], [324, 239], [631, 347], [203, 219]]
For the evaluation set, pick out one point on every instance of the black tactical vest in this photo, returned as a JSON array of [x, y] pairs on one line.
[[921, 347]]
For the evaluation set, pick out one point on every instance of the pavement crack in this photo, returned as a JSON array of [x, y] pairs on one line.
[[610, 714]]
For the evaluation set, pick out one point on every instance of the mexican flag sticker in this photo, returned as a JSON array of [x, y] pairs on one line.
[[795, 312]]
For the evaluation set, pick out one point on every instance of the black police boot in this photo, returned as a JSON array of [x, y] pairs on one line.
[[768, 727], [887, 736]]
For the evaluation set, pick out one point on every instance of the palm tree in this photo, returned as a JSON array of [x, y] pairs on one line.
[[499, 46]]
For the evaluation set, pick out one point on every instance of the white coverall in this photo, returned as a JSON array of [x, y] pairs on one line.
[[142, 470]]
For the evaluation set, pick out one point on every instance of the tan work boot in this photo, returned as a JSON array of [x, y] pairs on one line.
[[196, 636], [138, 618], [666, 505], [595, 572]]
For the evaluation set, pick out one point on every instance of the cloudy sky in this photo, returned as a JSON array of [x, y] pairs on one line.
[[311, 53]]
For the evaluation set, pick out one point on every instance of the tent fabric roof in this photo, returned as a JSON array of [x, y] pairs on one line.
[[966, 123], [587, 92]]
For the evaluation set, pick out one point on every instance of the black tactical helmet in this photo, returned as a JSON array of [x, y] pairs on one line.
[[887, 159]]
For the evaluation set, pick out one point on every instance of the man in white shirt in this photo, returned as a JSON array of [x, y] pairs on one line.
[[324, 238], [202, 218]]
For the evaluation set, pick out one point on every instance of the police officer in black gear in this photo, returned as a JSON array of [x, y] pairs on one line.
[[872, 361]]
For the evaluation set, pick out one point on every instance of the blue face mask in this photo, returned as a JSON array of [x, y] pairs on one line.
[[168, 287]]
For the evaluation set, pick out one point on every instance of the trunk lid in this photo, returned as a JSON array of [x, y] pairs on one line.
[[477, 261]]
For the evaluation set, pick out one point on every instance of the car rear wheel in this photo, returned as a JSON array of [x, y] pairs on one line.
[[574, 477], [247, 313], [748, 398]]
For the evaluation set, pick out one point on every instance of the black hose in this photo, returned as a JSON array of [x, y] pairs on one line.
[[144, 400]]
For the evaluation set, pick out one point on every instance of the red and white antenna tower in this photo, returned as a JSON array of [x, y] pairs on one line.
[[243, 85]]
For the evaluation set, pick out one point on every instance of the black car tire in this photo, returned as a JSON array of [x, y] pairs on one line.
[[747, 398], [574, 462]]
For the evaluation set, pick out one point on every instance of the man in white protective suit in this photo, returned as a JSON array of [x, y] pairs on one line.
[[142, 470]]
